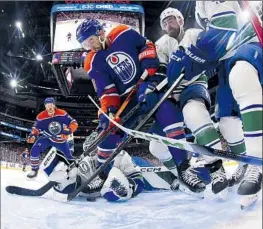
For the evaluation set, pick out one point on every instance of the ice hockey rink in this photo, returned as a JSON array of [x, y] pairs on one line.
[[155, 210]]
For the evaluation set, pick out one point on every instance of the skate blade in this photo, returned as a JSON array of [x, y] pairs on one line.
[[199, 195], [31, 179], [222, 196], [248, 201]]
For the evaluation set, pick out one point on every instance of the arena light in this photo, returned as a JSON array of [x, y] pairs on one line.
[[19, 24], [245, 15], [39, 57], [13, 83]]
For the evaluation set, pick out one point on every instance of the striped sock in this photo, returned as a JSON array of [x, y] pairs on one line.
[[207, 135], [253, 125]]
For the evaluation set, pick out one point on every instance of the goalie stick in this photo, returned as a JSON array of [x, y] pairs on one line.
[[21, 191], [191, 147], [30, 192], [128, 138]]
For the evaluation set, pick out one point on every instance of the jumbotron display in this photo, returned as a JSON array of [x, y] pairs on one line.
[[67, 23]]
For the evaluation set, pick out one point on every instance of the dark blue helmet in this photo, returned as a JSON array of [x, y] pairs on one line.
[[49, 100], [88, 28]]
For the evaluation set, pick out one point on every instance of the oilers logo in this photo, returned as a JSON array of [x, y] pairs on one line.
[[54, 128], [123, 65]]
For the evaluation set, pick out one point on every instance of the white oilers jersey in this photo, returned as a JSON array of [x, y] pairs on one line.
[[227, 15], [166, 45]]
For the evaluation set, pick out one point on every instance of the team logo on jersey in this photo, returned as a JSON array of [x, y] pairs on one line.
[[123, 65], [54, 128]]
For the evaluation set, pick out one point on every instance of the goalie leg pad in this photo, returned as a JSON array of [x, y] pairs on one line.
[[65, 186], [123, 161], [116, 187], [63, 148], [247, 90], [50, 161]]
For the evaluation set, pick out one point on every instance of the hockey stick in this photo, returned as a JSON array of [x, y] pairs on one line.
[[30, 192], [191, 147], [128, 138], [113, 128], [133, 90]]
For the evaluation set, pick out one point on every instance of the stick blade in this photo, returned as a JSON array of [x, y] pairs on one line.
[[30, 192]]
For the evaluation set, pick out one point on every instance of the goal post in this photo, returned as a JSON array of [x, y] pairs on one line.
[[255, 15]]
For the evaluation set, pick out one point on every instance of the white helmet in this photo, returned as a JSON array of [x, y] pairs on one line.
[[172, 12]]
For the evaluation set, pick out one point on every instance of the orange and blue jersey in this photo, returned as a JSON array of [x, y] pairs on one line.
[[115, 70], [52, 126]]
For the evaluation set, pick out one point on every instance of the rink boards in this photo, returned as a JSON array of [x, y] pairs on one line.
[[13, 166]]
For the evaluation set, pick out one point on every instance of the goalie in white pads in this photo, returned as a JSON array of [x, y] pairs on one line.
[[123, 182]]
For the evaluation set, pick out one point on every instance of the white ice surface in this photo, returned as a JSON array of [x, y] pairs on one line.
[[159, 210]]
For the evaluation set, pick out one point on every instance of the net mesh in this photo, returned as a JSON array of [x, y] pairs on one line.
[[256, 7], [255, 10]]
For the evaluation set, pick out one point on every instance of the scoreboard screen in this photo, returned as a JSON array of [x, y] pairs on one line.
[[66, 24]]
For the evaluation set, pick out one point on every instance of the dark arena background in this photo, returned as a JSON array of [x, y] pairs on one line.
[[40, 57]]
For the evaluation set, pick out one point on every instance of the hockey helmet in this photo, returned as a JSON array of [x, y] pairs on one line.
[[49, 100], [87, 28], [172, 12]]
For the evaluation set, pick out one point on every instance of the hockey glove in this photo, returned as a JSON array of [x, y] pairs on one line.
[[65, 133], [31, 138], [175, 67], [146, 97], [104, 122], [148, 58], [191, 60]]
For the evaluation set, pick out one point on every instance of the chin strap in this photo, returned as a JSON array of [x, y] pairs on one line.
[[181, 33], [103, 42]]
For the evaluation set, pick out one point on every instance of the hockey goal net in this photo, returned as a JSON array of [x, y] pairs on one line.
[[255, 12]]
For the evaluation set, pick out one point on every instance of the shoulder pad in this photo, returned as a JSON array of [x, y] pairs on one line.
[[42, 115], [60, 112], [114, 33], [162, 39], [190, 37], [88, 61]]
